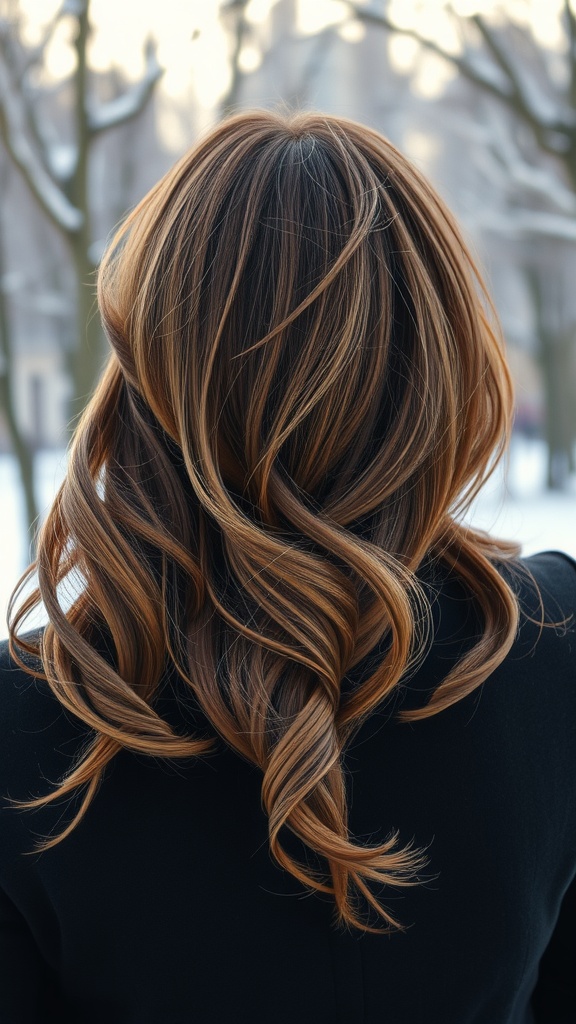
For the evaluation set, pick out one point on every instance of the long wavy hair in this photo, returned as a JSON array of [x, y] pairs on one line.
[[306, 388]]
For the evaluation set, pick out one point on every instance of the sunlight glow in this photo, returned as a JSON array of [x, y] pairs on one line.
[[258, 10], [431, 73], [432, 76], [192, 42], [352, 31], [194, 47], [403, 52], [546, 23], [421, 146], [250, 59], [314, 15]]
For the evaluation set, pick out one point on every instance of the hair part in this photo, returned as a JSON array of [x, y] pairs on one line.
[[304, 389]]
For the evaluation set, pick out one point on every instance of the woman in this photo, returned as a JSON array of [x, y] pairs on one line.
[[277, 665]]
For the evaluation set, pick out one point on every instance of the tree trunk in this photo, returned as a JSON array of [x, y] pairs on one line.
[[89, 351], [21, 449], [88, 355], [555, 359], [555, 363]]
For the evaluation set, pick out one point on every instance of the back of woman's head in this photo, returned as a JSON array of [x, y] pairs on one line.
[[295, 305], [303, 386]]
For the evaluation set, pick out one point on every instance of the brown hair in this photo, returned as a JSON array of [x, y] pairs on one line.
[[304, 389]]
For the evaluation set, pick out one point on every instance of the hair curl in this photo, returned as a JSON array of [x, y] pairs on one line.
[[304, 389]]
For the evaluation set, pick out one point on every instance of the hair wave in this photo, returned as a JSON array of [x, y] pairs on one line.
[[305, 387]]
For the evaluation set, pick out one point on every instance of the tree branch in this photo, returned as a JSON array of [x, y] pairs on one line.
[[502, 59], [518, 98], [35, 54], [497, 86], [499, 80], [516, 182], [507, 168], [18, 63], [126, 107], [57, 207]]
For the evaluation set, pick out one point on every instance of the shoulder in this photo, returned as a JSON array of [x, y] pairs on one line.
[[37, 734], [551, 575], [23, 697], [540, 666], [545, 586], [538, 676]]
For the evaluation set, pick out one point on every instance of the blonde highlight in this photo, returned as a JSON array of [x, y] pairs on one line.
[[305, 387]]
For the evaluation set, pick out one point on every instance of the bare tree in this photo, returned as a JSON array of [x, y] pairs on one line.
[[532, 149], [60, 189], [511, 67], [62, 193]]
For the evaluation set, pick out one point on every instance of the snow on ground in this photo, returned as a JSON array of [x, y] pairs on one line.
[[519, 510]]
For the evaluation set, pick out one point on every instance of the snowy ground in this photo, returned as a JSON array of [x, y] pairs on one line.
[[521, 510]]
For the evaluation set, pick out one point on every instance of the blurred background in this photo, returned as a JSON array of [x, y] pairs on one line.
[[98, 99]]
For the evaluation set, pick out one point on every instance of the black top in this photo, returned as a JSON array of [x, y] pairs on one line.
[[164, 906]]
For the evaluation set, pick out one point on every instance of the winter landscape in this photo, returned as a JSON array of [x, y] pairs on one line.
[[480, 96]]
